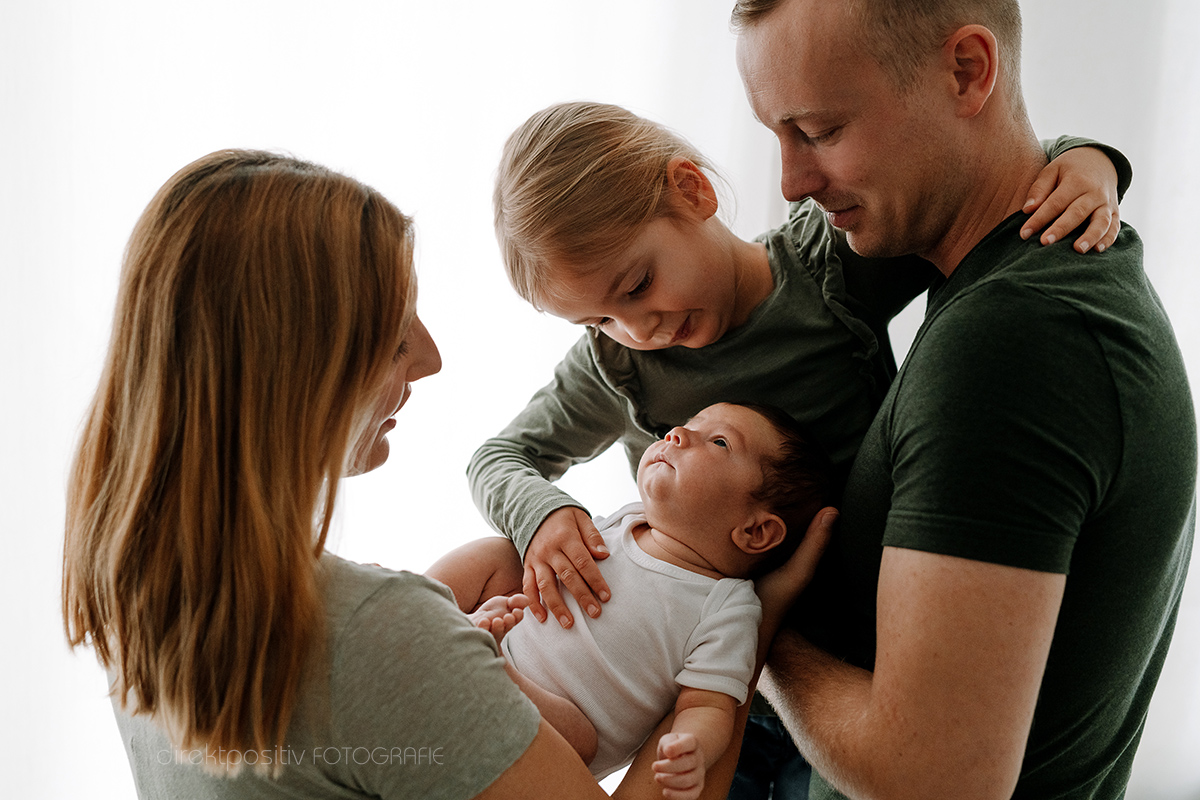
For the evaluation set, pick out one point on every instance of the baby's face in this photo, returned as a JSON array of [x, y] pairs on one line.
[[672, 286], [703, 474]]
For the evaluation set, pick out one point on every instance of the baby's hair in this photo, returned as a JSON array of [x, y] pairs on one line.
[[575, 183], [796, 482]]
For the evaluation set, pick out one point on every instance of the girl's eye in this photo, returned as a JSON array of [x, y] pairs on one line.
[[719, 442], [642, 287]]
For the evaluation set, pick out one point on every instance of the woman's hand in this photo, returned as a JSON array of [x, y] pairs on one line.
[[565, 548], [1080, 184]]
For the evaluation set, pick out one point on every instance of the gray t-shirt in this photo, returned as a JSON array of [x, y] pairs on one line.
[[408, 701]]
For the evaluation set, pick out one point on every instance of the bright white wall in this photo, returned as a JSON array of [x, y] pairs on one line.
[[101, 102]]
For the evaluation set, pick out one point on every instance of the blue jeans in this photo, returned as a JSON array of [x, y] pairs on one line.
[[770, 767]]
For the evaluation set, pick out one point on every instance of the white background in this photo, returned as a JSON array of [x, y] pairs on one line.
[[101, 101]]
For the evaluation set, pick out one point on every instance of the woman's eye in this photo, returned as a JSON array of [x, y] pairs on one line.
[[401, 351], [641, 287]]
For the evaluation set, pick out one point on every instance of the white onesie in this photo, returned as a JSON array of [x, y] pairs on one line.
[[664, 627]]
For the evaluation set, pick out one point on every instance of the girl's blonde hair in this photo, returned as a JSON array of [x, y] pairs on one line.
[[576, 181], [261, 301]]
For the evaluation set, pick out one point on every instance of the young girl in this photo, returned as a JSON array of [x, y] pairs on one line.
[[609, 220]]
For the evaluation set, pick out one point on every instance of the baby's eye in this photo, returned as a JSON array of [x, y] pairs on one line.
[[719, 442], [641, 287]]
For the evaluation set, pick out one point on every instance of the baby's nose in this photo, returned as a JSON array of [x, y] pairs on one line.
[[675, 436]]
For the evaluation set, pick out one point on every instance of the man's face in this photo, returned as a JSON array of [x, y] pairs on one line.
[[870, 157]]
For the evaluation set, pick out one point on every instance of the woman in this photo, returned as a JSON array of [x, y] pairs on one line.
[[265, 335]]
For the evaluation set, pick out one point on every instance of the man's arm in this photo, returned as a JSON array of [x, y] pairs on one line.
[[961, 649]]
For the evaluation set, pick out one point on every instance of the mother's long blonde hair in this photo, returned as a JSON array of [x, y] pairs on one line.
[[261, 301]]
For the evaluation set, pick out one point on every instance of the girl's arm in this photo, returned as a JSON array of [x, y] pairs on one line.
[[1084, 180], [571, 420]]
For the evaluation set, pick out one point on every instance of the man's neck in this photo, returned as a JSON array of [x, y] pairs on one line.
[[1003, 184]]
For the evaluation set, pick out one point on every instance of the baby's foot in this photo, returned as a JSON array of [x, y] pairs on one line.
[[499, 615]]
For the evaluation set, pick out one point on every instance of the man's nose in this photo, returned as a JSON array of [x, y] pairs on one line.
[[801, 176]]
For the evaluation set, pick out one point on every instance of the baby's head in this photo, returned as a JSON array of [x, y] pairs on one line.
[[737, 483], [607, 219]]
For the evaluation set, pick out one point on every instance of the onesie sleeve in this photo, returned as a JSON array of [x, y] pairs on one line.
[[721, 651], [1056, 147], [422, 696], [574, 418]]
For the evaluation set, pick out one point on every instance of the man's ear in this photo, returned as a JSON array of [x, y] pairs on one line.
[[972, 56], [762, 532], [690, 188]]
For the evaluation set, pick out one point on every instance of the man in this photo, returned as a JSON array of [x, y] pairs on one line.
[[1017, 526]]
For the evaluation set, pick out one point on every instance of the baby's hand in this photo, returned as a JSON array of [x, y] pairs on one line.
[[499, 615], [565, 548], [680, 768], [1078, 185]]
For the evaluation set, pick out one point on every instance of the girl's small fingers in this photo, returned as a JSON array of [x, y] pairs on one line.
[[1096, 230]]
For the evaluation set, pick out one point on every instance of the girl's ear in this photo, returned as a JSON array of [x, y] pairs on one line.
[[690, 188], [762, 532]]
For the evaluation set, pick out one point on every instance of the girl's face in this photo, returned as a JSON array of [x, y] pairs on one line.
[[674, 285], [417, 357]]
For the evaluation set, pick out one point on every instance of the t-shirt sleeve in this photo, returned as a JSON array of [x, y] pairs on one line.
[[721, 650], [996, 459], [423, 697]]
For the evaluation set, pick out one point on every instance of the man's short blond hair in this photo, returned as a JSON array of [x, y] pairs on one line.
[[903, 34]]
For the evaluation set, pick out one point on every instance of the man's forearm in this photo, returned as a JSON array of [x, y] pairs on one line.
[[818, 697]]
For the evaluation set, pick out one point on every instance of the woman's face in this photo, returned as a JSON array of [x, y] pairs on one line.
[[417, 357]]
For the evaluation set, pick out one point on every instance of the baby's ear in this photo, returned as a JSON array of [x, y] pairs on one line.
[[762, 532], [692, 190]]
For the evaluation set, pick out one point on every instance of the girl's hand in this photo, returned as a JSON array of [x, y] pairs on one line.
[[1079, 185], [565, 548]]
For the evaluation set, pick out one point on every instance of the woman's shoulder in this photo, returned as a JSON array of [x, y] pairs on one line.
[[349, 583]]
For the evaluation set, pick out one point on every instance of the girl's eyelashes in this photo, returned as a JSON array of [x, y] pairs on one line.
[[643, 286]]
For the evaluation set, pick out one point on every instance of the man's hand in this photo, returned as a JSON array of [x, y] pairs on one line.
[[565, 548]]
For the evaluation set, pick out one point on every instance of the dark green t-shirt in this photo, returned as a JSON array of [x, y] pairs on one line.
[[1041, 420]]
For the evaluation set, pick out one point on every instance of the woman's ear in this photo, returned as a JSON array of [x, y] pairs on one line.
[[762, 532], [690, 188]]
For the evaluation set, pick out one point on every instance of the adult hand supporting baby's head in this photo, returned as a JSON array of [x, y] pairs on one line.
[[778, 589]]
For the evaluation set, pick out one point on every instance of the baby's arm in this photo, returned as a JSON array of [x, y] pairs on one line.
[[700, 734]]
